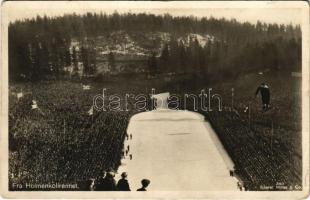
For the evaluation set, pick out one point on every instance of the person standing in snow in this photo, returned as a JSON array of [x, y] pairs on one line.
[[122, 184]]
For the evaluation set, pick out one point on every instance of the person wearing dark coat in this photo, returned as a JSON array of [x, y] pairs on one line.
[[99, 184], [141, 189], [85, 185], [145, 183], [106, 183], [110, 183], [263, 89], [122, 184]]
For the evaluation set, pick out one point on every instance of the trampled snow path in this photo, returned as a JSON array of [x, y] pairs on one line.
[[176, 150]]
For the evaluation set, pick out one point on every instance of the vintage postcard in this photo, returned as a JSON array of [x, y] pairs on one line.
[[178, 99]]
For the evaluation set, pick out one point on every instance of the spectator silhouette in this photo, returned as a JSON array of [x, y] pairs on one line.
[[231, 173], [122, 184], [99, 182], [85, 185], [107, 183], [265, 94], [145, 183]]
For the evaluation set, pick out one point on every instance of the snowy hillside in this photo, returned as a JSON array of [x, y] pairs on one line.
[[202, 39], [133, 45]]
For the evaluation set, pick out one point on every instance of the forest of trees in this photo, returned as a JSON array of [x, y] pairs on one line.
[[225, 59], [42, 45]]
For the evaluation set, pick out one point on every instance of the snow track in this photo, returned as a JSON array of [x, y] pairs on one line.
[[176, 150]]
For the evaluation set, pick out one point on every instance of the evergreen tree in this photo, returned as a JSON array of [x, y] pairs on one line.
[[85, 60], [164, 58], [75, 60], [111, 61], [152, 63]]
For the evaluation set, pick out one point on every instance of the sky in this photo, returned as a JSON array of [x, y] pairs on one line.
[[269, 12]]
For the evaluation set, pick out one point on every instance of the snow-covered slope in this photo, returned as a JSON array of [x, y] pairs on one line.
[[177, 151], [202, 39], [121, 43]]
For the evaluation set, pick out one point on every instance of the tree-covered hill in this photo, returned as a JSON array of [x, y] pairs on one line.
[[47, 46]]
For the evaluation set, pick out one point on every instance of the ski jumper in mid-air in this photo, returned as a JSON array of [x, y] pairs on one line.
[[263, 89]]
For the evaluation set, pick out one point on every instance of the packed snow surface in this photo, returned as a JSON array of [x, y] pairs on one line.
[[175, 150]]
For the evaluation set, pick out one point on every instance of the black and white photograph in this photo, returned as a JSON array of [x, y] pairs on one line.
[[143, 97]]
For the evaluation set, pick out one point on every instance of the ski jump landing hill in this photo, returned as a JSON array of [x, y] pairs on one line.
[[176, 150]]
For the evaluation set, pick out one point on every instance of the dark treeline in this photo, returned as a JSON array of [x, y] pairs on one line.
[[42, 45], [223, 59]]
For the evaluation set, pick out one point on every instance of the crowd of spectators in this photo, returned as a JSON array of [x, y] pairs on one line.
[[256, 162], [60, 142]]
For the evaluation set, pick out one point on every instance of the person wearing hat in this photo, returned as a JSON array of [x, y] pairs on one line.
[[107, 182], [99, 183], [110, 183], [122, 184], [145, 183]]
